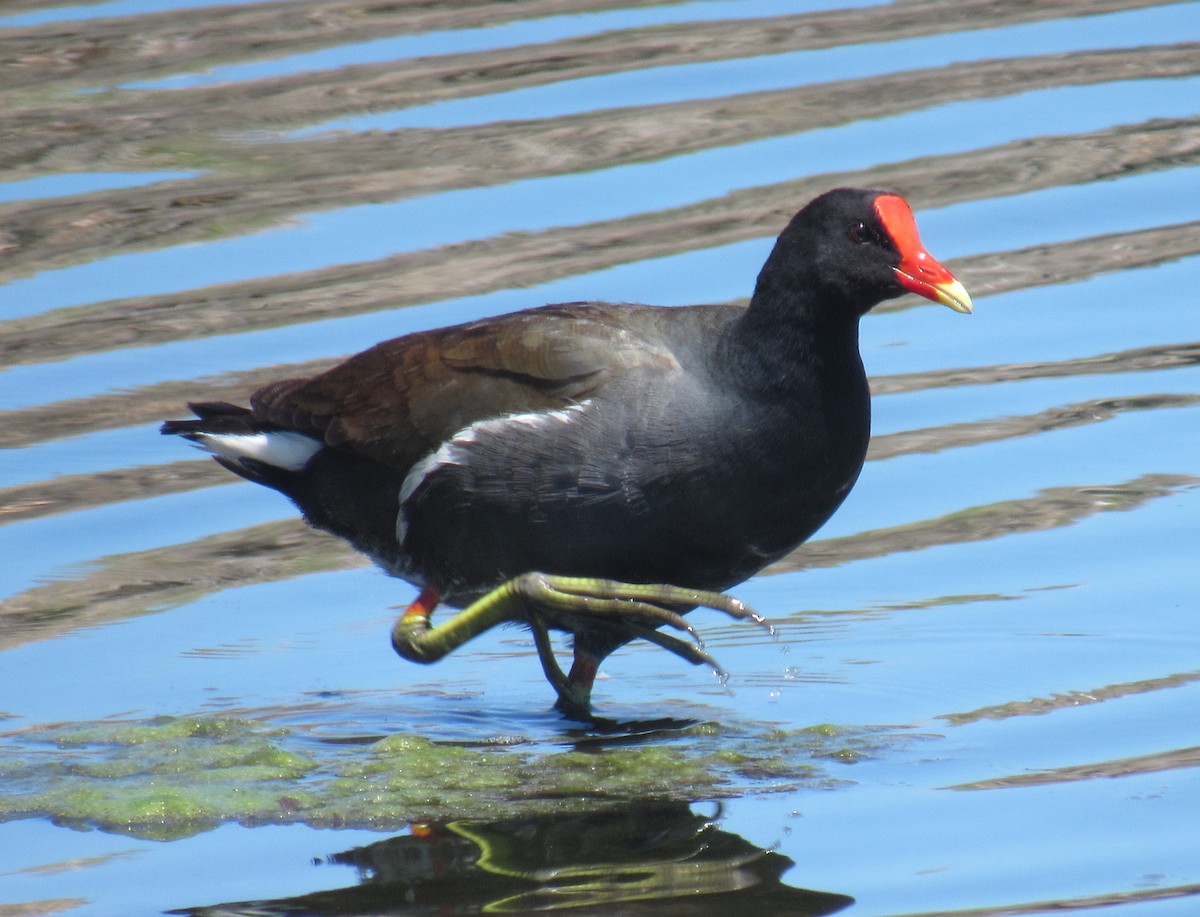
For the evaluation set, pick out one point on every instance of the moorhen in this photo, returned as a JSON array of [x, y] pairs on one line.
[[592, 467]]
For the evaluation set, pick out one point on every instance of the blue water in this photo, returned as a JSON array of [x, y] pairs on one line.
[[1056, 566], [493, 37], [534, 205], [716, 274], [662, 85], [61, 185]]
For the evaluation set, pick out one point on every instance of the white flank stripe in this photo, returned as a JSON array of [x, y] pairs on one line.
[[283, 448], [451, 451]]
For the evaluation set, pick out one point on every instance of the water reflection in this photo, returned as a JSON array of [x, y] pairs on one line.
[[651, 857]]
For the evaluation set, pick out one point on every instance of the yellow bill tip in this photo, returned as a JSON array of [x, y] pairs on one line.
[[954, 295]]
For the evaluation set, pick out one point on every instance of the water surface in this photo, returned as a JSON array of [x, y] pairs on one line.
[[981, 695]]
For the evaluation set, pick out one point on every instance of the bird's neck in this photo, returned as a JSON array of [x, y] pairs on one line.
[[786, 341]]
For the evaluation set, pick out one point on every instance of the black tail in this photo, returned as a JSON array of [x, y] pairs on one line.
[[343, 493], [214, 417]]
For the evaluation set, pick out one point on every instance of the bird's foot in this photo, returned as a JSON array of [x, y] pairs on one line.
[[636, 607], [630, 610]]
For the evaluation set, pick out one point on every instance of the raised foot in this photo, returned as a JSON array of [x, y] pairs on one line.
[[634, 608], [631, 609]]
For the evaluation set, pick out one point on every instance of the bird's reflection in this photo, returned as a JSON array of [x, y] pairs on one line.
[[643, 858]]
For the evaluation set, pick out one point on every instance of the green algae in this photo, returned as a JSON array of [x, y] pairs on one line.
[[171, 777]]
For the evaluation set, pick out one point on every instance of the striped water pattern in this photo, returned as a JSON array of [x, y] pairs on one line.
[[197, 198]]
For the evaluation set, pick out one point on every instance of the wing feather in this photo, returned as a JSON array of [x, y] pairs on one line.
[[401, 399]]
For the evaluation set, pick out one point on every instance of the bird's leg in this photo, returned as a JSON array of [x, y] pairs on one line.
[[630, 609], [575, 689], [576, 701], [416, 640], [554, 673], [615, 600]]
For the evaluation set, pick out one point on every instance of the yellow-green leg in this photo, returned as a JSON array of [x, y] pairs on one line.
[[631, 610]]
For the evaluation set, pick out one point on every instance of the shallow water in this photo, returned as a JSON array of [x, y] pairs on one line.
[[995, 636]]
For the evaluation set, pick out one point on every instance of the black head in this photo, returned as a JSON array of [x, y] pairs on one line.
[[847, 251]]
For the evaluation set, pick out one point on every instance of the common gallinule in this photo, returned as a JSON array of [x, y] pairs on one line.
[[593, 467]]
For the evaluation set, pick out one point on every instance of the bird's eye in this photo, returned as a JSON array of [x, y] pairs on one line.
[[860, 234]]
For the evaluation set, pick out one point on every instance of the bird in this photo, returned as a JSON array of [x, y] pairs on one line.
[[591, 467]]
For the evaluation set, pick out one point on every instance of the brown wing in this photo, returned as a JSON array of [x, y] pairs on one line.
[[401, 399]]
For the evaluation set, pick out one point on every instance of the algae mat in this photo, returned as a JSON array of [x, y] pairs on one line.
[[170, 777]]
